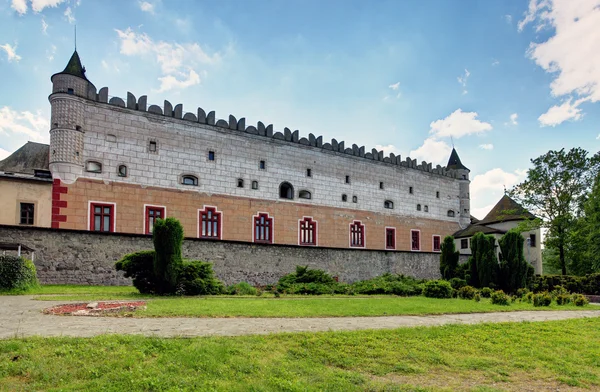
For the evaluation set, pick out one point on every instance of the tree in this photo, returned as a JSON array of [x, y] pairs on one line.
[[449, 258], [513, 267], [585, 235], [555, 190], [483, 271], [167, 235]]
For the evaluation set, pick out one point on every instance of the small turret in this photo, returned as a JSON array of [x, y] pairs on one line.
[[462, 173], [69, 90]]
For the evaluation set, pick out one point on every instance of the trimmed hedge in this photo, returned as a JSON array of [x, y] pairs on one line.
[[17, 273], [588, 284]]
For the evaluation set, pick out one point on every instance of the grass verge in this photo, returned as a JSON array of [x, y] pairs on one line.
[[77, 290], [303, 306], [561, 355]]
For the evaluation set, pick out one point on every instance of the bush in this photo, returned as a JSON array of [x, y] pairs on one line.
[[467, 292], [563, 299], [168, 238], [388, 284], [500, 298], [310, 289], [242, 288], [588, 284], [529, 297], [521, 292], [486, 292], [542, 299], [17, 273], [438, 289], [197, 278], [457, 283], [579, 300], [305, 275], [477, 297], [140, 267]]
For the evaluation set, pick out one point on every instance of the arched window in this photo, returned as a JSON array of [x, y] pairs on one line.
[[93, 167], [286, 191], [189, 180], [354, 199], [122, 172], [344, 197], [304, 195], [240, 183], [388, 204], [418, 207], [426, 208], [451, 213], [254, 184]]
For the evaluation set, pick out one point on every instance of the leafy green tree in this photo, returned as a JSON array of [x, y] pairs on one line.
[[585, 235], [449, 258], [483, 261], [513, 267], [167, 236], [555, 190]]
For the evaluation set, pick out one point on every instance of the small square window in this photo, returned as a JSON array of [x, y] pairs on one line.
[[152, 146], [380, 184], [70, 91], [211, 155], [347, 179], [464, 243], [410, 190], [262, 165], [308, 173]]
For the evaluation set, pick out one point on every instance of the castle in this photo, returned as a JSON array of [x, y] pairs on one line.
[[119, 164]]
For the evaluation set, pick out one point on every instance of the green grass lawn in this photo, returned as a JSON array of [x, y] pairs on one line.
[[557, 355], [336, 306], [76, 290]]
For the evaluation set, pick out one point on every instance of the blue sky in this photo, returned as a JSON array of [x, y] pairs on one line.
[[505, 80]]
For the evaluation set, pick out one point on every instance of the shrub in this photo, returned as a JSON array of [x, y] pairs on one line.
[[449, 259], [542, 299], [529, 297], [305, 275], [579, 299], [140, 267], [17, 273], [477, 297], [438, 289], [388, 284], [457, 283], [168, 238], [197, 278], [310, 289], [242, 288], [500, 298], [563, 299], [486, 292], [467, 292], [483, 262], [521, 292]]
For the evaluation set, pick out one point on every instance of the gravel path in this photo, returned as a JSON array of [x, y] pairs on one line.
[[21, 316]]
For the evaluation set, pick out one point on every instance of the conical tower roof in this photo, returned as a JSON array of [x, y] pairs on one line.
[[74, 67], [454, 161]]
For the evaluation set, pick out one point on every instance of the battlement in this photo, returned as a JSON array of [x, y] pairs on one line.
[[202, 117]]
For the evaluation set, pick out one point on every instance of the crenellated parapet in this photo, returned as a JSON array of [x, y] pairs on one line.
[[239, 125]]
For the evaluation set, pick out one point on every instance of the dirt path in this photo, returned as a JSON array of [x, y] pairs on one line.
[[20, 316]]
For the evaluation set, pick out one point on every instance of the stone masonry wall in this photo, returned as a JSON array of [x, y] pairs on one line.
[[82, 257]]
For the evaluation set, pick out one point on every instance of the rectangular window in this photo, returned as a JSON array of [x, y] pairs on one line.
[[390, 238], [532, 240], [464, 243], [357, 235], [308, 173], [27, 213], [152, 146], [102, 217], [410, 190], [308, 232], [415, 240], [210, 223], [380, 185], [262, 165], [263, 229], [347, 179], [211, 155], [152, 214], [437, 194], [437, 243]]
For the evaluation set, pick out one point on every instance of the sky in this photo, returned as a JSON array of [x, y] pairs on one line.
[[502, 81]]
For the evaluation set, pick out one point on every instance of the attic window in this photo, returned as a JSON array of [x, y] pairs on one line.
[[451, 213], [388, 204], [305, 194], [70, 91], [93, 167], [189, 180], [122, 172]]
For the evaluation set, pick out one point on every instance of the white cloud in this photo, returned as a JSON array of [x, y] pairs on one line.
[[508, 19], [481, 212], [571, 54], [11, 52], [558, 114], [394, 86], [39, 5], [175, 60], [463, 80], [51, 52], [432, 150], [69, 15], [486, 146], [170, 82], [4, 153], [459, 124], [512, 120], [20, 6], [22, 126], [146, 7], [487, 188], [44, 26], [388, 149], [495, 62]]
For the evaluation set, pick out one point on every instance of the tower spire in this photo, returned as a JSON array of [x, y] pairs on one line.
[[75, 38]]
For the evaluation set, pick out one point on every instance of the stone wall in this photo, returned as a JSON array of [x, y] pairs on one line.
[[83, 257]]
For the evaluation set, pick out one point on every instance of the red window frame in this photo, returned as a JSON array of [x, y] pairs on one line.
[[209, 223], [357, 235], [390, 238], [263, 228], [102, 214], [307, 232], [415, 240], [153, 213], [437, 243]]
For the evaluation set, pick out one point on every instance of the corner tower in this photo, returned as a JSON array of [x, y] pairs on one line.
[[70, 89], [462, 174]]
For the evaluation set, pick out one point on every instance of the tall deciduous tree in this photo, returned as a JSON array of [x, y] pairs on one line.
[[555, 190], [586, 235]]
